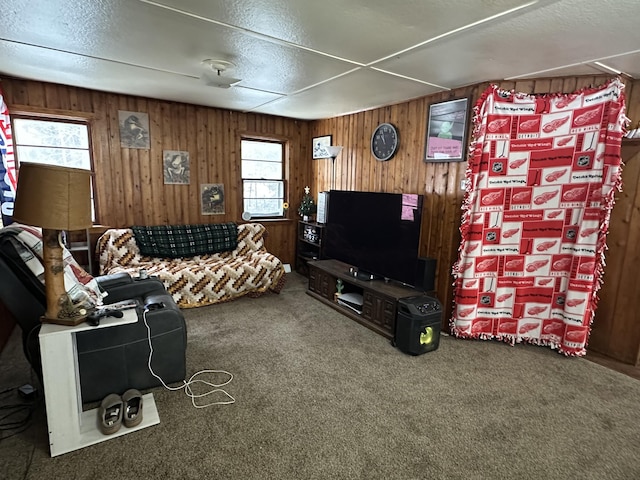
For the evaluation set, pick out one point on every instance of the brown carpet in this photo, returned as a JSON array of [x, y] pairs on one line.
[[322, 397]]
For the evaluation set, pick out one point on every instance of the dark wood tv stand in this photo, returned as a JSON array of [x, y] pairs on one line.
[[380, 298]]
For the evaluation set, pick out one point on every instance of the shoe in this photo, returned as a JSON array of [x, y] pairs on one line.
[[132, 415], [110, 414]]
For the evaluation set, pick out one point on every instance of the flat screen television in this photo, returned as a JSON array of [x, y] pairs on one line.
[[378, 233]]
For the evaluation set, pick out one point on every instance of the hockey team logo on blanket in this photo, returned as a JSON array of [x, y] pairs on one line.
[[543, 171]]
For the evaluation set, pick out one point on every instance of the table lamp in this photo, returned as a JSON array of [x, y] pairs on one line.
[[54, 198]]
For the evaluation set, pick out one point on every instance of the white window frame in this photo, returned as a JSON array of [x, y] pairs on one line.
[[44, 117], [281, 181]]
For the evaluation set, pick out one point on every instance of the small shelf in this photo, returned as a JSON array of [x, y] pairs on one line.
[[315, 244], [309, 247]]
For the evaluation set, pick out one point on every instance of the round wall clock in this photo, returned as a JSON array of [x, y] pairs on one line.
[[384, 142]]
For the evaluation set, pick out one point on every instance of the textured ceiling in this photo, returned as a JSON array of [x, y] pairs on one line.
[[312, 59]]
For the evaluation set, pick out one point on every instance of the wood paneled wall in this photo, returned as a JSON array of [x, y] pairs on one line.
[[130, 188], [129, 182], [616, 329], [356, 168]]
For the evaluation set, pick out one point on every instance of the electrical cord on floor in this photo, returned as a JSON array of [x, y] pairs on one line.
[[23, 412], [192, 380]]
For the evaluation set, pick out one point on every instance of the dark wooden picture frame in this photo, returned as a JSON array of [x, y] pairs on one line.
[[447, 131], [318, 146]]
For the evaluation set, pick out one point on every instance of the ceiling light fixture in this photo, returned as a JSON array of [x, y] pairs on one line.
[[217, 79]]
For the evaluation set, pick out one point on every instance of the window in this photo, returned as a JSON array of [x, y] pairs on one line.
[[263, 177], [53, 142]]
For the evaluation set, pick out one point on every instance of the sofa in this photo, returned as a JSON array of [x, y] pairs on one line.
[[198, 264]]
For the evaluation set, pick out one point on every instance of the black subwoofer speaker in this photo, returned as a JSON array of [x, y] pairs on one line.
[[426, 274], [418, 324]]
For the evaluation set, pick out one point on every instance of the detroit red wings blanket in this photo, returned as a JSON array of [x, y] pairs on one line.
[[543, 171]]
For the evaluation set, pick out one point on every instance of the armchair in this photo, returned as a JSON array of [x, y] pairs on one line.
[[110, 360]]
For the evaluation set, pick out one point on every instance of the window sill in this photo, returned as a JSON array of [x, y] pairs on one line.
[[268, 220]]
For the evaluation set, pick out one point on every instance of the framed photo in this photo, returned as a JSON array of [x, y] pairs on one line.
[[175, 166], [134, 129], [212, 198], [447, 127], [318, 147]]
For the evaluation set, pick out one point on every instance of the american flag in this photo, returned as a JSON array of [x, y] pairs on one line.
[[8, 178]]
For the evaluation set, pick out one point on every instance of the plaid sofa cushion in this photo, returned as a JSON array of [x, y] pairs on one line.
[[178, 241]]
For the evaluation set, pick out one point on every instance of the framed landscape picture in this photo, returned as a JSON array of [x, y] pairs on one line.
[[318, 147], [447, 127]]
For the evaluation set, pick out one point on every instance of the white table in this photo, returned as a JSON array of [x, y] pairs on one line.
[[69, 427]]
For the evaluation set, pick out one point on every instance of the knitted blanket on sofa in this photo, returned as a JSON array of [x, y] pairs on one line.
[[249, 269]]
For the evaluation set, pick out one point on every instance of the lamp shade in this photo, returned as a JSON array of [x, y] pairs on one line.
[[333, 151], [58, 198]]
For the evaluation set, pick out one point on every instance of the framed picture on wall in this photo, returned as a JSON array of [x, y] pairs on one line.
[[176, 167], [318, 146], [447, 127], [134, 129], [212, 198]]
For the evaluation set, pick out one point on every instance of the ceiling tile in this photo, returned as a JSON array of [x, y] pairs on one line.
[[573, 71], [524, 44], [125, 79], [358, 30], [629, 64], [360, 90], [139, 34]]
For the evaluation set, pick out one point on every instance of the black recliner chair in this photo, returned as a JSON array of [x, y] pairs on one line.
[[110, 360]]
